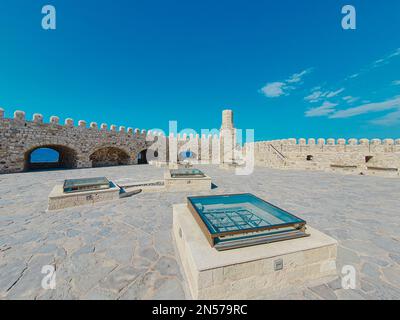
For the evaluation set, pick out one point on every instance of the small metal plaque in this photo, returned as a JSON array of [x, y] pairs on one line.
[[278, 264]]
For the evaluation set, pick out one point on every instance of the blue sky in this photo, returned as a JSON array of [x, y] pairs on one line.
[[287, 68]]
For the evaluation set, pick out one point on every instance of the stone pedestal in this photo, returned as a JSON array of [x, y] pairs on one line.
[[186, 183], [252, 272], [60, 200]]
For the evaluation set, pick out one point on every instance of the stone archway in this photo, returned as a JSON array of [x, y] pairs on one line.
[[142, 157], [66, 159], [109, 156], [186, 155]]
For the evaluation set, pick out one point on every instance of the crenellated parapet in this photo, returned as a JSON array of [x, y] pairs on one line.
[[83, 144], [382, 157], [19, 118], [80, 144], [330, 142]]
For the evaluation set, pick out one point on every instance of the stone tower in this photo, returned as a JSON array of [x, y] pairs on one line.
[[227, 135], [227, 119]]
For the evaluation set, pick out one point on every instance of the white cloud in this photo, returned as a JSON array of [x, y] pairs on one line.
[[350, 99], [274, 89], [320, 95], [367, 108], [279, 88], [324, 110], [353, 76], [379, 62], [395, 53], [376, 64], [317, 88], [389, 119], [328, 109], [297, 77], [391, 106], [314, 96], [385, 60], [334, 93]]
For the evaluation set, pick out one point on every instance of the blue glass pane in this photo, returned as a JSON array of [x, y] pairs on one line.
[[176, 173], [73, 185], [240, 212]]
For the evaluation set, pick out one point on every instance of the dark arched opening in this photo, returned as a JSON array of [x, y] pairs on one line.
[[186, 155], [142, 158], [50, 157], [109, 156]]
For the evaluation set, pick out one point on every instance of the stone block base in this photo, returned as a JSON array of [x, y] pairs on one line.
[[60, 200], [252, 272], [186, 184], [231, 166]]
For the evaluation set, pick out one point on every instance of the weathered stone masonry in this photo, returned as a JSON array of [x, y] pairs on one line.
[[363, 156], [78, 146], [82, 146]]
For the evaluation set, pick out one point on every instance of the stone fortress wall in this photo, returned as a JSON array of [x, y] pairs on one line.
[[78, 146], [208, 148], [363, 156], [83, 146]]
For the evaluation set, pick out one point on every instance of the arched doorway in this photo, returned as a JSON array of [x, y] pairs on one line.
[[186, 155], [50, 157], [142, 157], [109, 156]]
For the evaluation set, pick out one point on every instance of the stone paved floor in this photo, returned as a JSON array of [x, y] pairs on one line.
[[123, 249]]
